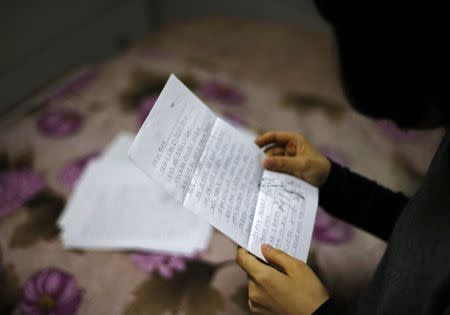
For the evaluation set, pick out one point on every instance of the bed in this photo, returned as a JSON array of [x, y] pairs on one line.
[[260, 76]]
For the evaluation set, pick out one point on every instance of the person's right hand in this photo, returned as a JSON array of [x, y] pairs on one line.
[[291, 153]]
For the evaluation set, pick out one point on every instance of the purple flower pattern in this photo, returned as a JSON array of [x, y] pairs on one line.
[[329, 230], [234, 119], [165, 265], [145, 107], [51, 291], [60, 122], [222, 93], [16, 187]]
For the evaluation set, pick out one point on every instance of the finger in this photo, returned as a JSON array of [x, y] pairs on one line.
[[279, 137], [250, 305], [257, 309], [257, 270], [275, 151], [253, 292], [249, 263], [287, 263], [291, 148], [288, 165]]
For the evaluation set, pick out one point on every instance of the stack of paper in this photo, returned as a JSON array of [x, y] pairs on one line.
[[115, 206]]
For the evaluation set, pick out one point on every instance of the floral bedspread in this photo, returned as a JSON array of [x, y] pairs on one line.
[[258, 76]]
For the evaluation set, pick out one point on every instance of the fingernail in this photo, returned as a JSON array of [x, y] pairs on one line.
[[266, 247]]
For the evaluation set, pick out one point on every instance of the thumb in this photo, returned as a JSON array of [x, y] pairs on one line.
[[280, 259], [288, 165]]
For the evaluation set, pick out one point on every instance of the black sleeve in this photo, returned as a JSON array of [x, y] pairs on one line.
[[327, 308], [361, 202], [389, 62]]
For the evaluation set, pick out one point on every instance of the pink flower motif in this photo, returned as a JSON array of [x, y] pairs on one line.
[[145, 107], [70, 173], [335, 155], [165, 265], [395, 133], [75, 85], [16, 187], [330, 230], [222, 93], [234, 119], [51, 291], [60, 122]]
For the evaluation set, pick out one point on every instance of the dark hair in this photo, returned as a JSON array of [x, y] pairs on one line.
[[393, 60]]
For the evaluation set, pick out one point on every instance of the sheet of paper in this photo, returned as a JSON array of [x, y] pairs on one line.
[[225, 185], [201, 160], [222, 177], [115, 206], [284, 215], [116, 151], [170, 147], [128, 214]]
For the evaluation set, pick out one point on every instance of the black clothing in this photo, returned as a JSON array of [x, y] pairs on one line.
[[413, 276], [361, 202], [393, 59], [393, 56]]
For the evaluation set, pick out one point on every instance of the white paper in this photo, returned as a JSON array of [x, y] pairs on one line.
[[210, 168], [225, 185], [284, 215], [115, 206], [126, 213], [172, 146]]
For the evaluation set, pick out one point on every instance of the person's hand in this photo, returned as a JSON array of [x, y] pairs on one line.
[[291, 153], [297, 291]]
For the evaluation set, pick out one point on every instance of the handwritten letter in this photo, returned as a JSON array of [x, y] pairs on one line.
[[217, 173]]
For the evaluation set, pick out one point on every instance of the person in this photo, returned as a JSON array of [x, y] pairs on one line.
[[394, 65]]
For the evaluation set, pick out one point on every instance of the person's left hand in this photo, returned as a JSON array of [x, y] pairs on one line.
[[295, 291]]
